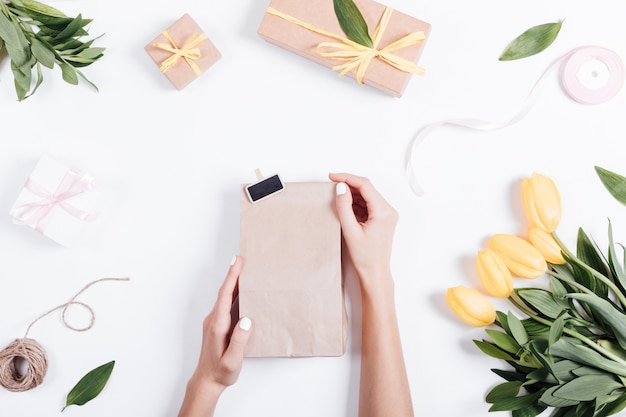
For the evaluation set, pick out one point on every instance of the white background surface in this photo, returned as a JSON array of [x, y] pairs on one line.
[[170, 164]]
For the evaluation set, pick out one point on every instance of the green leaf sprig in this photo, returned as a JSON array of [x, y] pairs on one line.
[[569, 352], [90, 385], [352, 22], [532, 41], [36, 35]]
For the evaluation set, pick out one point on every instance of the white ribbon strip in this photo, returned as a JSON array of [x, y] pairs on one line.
[[589, 75]]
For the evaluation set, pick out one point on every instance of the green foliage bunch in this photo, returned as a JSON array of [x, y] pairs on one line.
[[568, 353], [34, 35]]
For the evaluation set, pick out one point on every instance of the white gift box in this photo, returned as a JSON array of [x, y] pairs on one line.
[[57, 201]]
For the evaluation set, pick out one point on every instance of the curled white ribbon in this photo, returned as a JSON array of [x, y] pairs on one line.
[[570, 64]]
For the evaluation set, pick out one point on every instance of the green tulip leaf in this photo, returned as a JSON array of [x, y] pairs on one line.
[[532, 41], [90, 385], [352, 22], [614, 183]]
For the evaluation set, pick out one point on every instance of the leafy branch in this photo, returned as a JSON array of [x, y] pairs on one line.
[[36, 35]]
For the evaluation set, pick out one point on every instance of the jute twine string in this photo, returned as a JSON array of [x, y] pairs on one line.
[[29, 352]]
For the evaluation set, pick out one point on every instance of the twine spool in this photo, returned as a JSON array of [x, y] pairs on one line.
[[32, 355]]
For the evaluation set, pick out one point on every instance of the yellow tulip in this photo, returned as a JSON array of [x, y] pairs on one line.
[[545, 243], [541, 202], [470, 306], [522, 258], [494, 274]]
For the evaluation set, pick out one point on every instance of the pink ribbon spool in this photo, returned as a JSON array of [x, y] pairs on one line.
[[592, 75], [589, 75]]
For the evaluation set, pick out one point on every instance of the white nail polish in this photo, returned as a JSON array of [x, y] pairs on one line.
[[245, 324], [232, 261], [341, 188]]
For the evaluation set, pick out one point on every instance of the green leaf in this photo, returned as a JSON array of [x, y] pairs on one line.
[[503, 391], [556, 330], [587, 387], [614, 183], [72, 29], [69, 73], [352, 22], [542, 301], [8, 31], [549, 398], [89, 385], [609, 314], [532, 41], [510, 375], [584, 355], [617, 403], [517, 329], [492, 350], [516, 403], [532, 411], [42, 53], [38, 7], [616, 268], [503, 341]]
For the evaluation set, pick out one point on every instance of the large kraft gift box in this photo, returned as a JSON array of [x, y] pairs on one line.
[[183, 52], [301, 26], [291, 283]]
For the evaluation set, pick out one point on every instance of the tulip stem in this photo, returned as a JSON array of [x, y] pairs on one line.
[[530, 313], [596, 274]]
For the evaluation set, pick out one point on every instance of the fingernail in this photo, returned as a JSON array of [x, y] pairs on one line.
[[245, 324], [232, 261], [341, 188]]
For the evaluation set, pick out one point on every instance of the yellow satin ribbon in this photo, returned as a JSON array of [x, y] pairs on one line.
[[357, 55], [188, 52]]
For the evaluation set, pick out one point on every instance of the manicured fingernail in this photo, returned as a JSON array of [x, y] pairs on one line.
[[245, 324], [341, 188], [232, 261]]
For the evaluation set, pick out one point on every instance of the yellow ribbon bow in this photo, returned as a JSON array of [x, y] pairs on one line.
[[357, 55], [188, 52]]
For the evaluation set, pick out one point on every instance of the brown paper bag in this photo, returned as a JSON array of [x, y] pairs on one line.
[[291, 282]]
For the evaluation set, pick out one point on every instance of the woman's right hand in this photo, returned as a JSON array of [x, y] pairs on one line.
[[368, 224]]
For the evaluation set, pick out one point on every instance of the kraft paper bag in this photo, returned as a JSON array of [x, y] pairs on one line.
[[291, 281]]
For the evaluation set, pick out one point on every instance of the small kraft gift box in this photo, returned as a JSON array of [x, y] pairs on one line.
[[183, 52], [311, 29], [57, 201], [291, 283]]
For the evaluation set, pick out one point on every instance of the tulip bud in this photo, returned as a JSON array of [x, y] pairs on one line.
[[522, 258], [493, 274], [541, 202], [470, 306], [545, 243]]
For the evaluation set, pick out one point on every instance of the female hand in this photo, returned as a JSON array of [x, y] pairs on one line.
[[221, 355], [368, 223]]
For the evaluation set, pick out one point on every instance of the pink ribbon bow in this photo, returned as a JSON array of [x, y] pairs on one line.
[[39, 213]]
